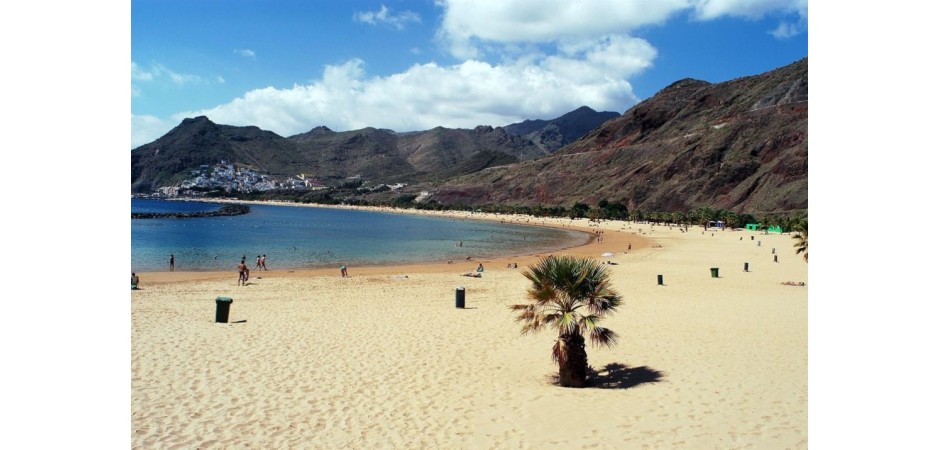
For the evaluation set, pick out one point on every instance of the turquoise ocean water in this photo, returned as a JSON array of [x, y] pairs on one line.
[[295, 237]]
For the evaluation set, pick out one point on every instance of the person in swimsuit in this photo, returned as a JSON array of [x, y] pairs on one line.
[[242, 273]]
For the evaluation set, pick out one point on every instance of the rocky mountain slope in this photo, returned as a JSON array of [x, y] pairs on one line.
[[740, 145]]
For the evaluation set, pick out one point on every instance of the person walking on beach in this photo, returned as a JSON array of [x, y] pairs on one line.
[[172, 262], [263, 265], [258, 262], [342, 271]]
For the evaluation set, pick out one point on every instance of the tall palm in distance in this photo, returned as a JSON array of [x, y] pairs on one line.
[[570, 295], [802, 239]]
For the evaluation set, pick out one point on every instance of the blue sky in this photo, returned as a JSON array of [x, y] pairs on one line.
[[290, 65]]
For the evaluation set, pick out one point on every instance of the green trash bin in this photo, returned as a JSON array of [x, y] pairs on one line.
[[222, 305], [714, 272]]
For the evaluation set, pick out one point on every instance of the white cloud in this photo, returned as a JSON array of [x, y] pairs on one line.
[[139, 74], [146, 129], [248, 53], [384, 16], [786, 30], [428, 95], [753, 9], [157, 72], [470, 26], [473, 29]]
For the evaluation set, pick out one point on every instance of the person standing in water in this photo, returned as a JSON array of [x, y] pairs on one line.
[[172, 262]]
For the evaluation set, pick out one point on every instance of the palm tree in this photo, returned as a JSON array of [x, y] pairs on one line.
[[570, 295], [636, 215], [730, 218], [802, 239], [678, 217]]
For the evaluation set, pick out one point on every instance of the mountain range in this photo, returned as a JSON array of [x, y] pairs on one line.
[[740, 145], [378, 155]]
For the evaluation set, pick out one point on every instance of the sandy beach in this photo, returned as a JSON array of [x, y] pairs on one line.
[[384, 359]]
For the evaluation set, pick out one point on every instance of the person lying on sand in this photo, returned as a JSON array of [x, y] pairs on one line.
[[471, 274], [793, 283]]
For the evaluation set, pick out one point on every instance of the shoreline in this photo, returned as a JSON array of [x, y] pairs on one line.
[[617, 237]]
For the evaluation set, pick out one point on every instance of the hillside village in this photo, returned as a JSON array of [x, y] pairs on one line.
[[230, 178]]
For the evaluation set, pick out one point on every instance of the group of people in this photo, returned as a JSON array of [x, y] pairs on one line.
[[243, 271], [478, 274], [260, 262]]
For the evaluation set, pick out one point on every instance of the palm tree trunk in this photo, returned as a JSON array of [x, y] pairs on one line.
[[572, 360]]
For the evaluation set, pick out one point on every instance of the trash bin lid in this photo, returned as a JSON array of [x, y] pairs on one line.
[[223, 299], [460, 288]]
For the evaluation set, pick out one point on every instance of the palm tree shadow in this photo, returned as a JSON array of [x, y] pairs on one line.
[[621, 376]]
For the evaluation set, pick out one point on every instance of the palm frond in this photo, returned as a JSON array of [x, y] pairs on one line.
[[557, 354], [802, 239], [572, 324], [605, 337]]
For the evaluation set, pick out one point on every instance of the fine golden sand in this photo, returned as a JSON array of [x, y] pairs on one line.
[[384, 359]]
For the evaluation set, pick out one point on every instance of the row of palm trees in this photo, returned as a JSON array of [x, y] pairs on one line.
[[605, 210], [702, 216]]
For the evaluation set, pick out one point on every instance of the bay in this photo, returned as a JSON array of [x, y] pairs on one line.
[[295, 237]]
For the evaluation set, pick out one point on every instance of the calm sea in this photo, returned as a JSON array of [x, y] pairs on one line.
[[302, 237]]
